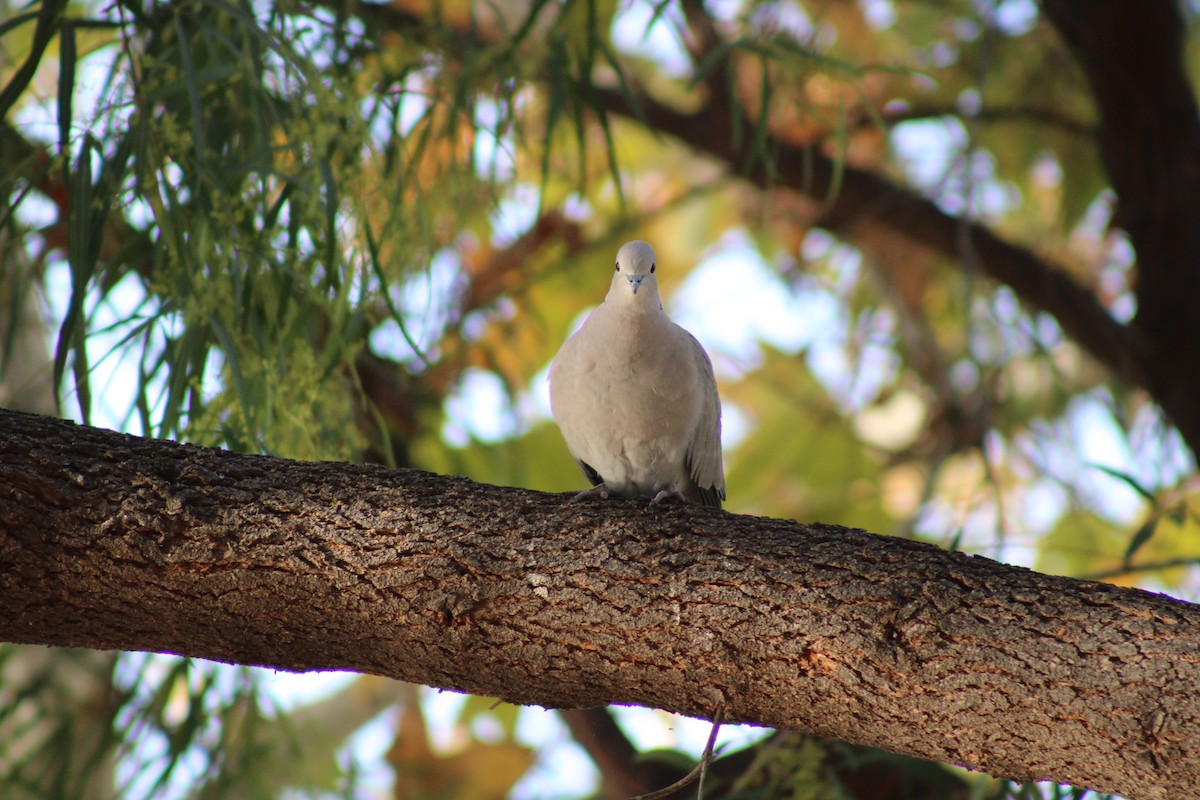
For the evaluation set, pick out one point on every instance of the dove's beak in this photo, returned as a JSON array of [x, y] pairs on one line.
[[635, 282]]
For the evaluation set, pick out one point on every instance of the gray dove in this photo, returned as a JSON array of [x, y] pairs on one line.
[[635, 397]]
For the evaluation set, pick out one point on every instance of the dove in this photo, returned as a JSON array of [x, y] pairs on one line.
[[635, 397]]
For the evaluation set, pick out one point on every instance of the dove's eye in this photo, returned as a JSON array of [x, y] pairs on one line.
[[618, 266], [652, 266]]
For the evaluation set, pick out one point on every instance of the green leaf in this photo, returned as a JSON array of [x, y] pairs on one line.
[[1127, 479], [81, 257], [192, 82], [48, 19], [396, 315], [759, 154], [1140, 537], [331, 211], [956, 542], [718, 55], [66, 85]]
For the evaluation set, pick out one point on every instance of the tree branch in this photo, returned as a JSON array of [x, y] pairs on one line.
[[856, 197], [1016, 114], [622, 773], [110, 541]]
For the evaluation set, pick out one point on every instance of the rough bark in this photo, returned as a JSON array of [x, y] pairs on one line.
[[112, 541]]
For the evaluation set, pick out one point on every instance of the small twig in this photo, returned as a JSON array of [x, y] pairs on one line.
[[697, 773], [1149, 566], [707, 756]]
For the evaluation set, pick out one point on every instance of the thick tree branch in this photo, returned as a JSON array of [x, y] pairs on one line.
[[112, 541]]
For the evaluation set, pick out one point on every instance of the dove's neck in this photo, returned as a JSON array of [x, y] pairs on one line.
[[633, 319], [645, 303]]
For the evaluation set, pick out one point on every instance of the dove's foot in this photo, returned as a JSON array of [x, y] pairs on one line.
[[671, 494], [599, 490]]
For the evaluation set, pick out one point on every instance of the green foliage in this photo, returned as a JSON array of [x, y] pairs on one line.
[[842, 483], [796, 769], [56, 714]]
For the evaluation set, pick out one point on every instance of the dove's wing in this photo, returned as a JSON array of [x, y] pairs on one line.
[[703, 458]]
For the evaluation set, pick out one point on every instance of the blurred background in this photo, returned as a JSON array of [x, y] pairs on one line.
[[340, 230]]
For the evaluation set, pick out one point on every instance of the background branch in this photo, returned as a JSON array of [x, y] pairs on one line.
[[856, 200], [860, 203]]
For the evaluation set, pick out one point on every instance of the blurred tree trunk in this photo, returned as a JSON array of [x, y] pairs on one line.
[[113, 541], [26, 369], [1149, 136], [56, 733]]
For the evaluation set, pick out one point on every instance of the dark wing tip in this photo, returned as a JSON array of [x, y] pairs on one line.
[[711, 496], [591, 474]]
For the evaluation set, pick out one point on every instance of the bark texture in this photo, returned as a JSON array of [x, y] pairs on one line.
[[112, 541]]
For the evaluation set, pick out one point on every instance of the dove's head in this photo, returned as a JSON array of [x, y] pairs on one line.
[[634, 276]]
